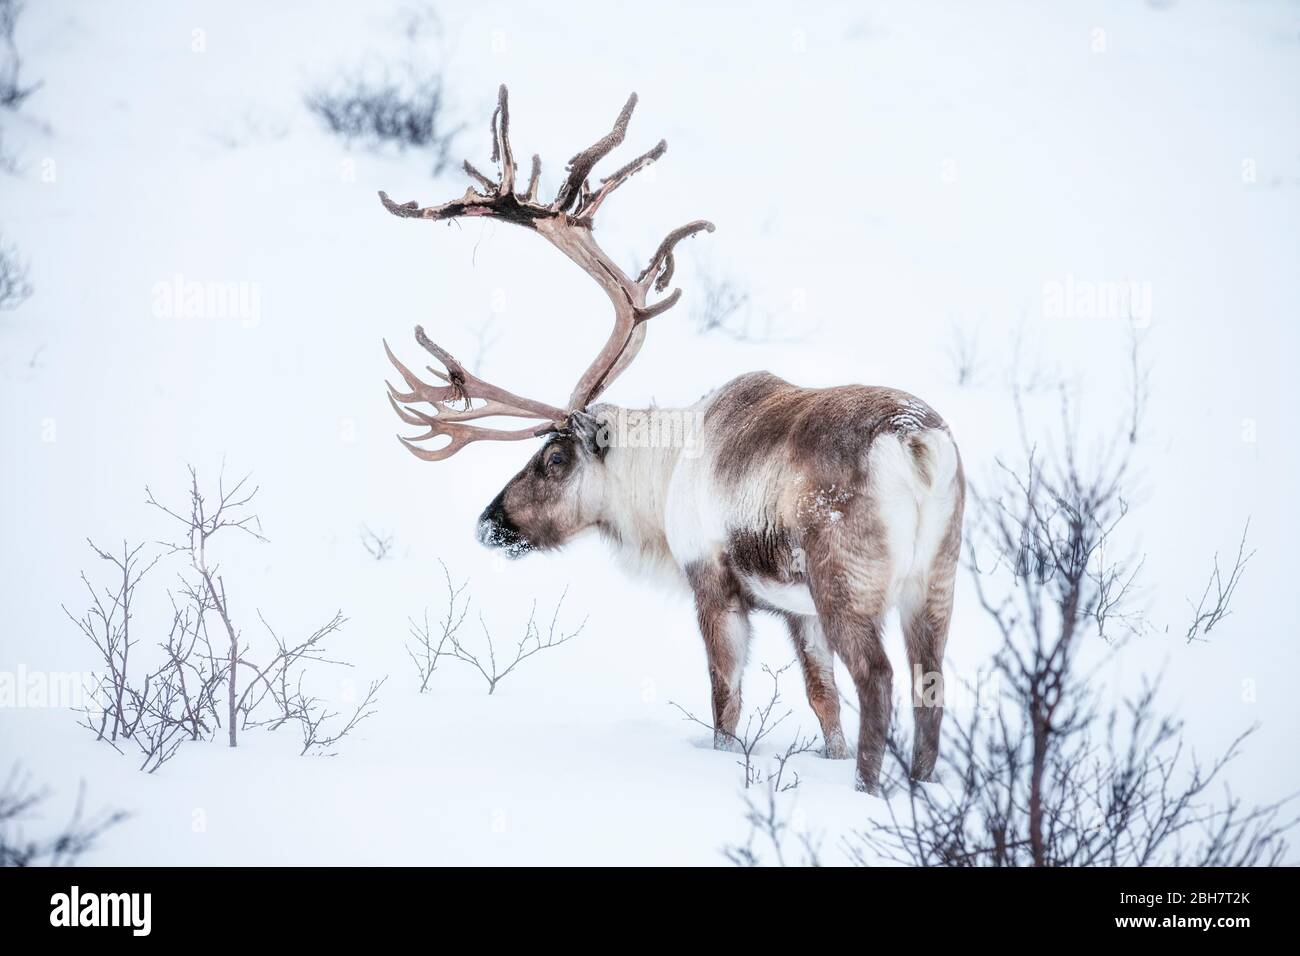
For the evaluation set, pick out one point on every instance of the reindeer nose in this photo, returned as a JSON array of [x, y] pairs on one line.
[[494, 513], [495, 529], [487, 529]]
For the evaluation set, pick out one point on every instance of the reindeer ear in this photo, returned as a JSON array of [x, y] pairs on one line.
[[591, 431]]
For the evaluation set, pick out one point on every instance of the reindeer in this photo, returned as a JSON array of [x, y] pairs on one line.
[[826, 507]]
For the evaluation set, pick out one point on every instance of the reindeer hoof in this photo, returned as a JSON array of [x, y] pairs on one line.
[[836, 748], [725, 742], [923, 769], [862, 786]]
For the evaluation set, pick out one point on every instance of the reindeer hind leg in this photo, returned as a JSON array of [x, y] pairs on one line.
[[926, 611]]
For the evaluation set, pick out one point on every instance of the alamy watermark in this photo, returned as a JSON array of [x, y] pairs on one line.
[[1074, 298], [181, 298], [653, 428], [34, 689], [128, 910]]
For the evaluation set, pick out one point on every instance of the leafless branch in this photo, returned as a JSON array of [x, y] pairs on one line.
[[720, 306], [533, 641], [13, 91], [428, 646], [378, 544], [770, 829], [15, 287], [760, 724], [18, 800], [964, 355], [406, 110], [1213, 606]]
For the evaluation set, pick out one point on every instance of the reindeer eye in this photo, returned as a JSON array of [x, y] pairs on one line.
[[557, 458]]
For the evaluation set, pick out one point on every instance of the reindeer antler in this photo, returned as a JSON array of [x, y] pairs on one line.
[[567, 223]]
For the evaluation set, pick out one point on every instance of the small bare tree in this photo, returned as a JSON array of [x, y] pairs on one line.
[[107, 625], [175, 701], [533, 641], [195, 686], [19, 800], [203, 521]]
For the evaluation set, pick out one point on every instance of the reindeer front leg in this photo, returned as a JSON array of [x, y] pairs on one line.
[[723, 615], [818, 664]]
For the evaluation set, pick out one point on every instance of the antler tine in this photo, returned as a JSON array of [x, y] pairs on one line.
[[420, 391], [580, 166], [501, 142], [607, 185], [534, 178], [413, 416], [464, 384], [661, 267], [462, 435], [478, 177]]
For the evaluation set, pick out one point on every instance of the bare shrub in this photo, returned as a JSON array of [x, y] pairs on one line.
[[762, 721], [106, 624], [771, 837], [281, 683], [20, 801], [429, 645], [486, 335], [13, 91], [204, 586], [723, 307], [198, 684], [15, 287], [964, 356], [407, 112], [378, 544], [1045, 773], [533, 641], [771, 831], [250, 126]]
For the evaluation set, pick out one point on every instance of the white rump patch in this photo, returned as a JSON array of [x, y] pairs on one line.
[[914, 511]]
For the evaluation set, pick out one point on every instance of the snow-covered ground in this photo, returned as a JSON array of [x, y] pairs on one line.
[[879, 173]]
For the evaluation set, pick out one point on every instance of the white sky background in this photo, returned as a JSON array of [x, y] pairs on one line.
[[879, 173]]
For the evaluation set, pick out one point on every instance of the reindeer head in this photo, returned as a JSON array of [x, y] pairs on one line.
[[556, 496], [558, 493]]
